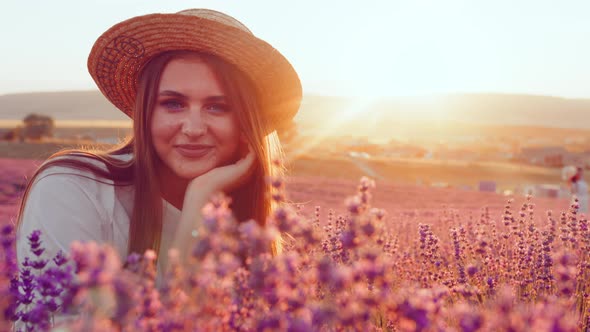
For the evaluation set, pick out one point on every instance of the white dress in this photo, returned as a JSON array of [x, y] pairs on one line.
[[67, 207], [580, 189]]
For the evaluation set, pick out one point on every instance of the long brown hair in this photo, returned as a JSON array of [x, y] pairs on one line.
[[251, 201]]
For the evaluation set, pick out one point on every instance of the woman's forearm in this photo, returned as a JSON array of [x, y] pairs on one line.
[[190, 219]]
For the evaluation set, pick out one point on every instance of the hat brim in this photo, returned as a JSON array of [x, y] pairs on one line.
[[119, 55]]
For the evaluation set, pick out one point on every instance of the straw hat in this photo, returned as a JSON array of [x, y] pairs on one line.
[[568, 172], [119, 54]]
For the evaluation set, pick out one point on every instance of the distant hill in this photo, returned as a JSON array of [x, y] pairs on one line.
[[331, 115], [67, 105], [384, 115]]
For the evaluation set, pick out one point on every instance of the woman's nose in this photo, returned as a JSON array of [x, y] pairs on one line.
[[194, 125]]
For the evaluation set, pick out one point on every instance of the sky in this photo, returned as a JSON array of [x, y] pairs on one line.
[[347, 48]]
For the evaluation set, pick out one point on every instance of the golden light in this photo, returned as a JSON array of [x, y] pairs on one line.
[[334, 127]]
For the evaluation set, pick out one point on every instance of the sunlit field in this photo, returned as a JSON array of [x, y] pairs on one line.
[[358, 256]]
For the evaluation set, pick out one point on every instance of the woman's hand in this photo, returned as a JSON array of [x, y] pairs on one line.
[[198, 192], [221, 179]]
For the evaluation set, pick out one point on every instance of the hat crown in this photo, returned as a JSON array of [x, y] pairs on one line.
[[216, 16], [121, 53]]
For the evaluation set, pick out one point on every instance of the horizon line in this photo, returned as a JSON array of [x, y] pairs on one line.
[[319, 94]]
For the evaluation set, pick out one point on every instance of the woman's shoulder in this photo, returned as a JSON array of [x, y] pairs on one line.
[[75, 178], [83, 166], [73, 203]]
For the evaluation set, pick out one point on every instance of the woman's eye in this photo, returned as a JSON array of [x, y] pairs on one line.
[[172, 105], [217, 108]]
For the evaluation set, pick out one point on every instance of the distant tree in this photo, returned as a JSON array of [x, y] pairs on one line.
[[12, 134], [18, 134], [37, 126]]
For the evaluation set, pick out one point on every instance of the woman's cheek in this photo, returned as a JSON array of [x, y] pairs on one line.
[[163, 127]]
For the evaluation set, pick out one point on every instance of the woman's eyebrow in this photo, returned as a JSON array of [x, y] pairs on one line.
[[172, 93], [218, 99], [209, 99]]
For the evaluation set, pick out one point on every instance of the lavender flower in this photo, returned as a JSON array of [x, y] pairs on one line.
[[366, 270]]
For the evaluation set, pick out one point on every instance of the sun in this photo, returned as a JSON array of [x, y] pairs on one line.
[[339, 125]]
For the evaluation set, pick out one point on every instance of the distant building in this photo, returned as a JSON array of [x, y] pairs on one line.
[[487, 186], [548, 190], [585, 159], [543, 190], [544, 156]]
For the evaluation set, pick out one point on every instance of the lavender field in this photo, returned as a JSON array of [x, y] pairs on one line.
[[358, 256]]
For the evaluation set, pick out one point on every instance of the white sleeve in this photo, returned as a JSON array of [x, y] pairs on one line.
[[65, 208], [575, 189]]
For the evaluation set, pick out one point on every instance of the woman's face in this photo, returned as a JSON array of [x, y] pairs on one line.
[[194, 128]]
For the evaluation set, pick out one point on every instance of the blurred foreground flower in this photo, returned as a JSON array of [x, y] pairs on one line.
[[363, 271]]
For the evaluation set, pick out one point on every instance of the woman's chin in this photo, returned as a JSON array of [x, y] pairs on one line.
[[189, 169], [191, 174]]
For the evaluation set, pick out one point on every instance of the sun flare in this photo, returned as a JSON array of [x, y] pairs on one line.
[[354, 111]]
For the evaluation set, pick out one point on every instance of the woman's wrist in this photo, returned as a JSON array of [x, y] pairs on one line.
[[198, 192]]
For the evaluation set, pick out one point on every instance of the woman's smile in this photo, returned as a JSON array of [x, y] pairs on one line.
[[194, 150]]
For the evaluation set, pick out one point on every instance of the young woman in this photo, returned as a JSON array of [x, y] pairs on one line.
[[205, 96], [577, 185], [579, 188]]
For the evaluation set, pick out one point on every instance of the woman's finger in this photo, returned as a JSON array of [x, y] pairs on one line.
[[237, 174], [246, 164]]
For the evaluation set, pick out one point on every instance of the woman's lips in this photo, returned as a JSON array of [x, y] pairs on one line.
[[193, 151]]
